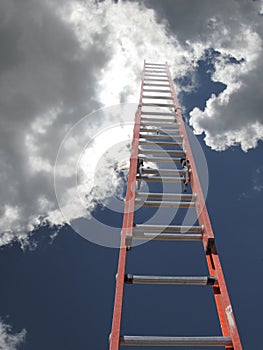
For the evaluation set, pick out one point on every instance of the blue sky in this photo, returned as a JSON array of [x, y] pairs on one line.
[[62, 62]]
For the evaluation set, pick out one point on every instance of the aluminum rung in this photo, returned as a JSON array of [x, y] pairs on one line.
[[145, 122], [162, 143], [153, 90], [159, 113], [160, 179], [155, 64], [155, 75], [158, 97], [168, 237], [159, 120], [176, 130], [153, 79], [165, 204], [170, 280], [161, 159], [161, 137], [167, 229], [163, 171], [133, 340], [159, 70], [162, 152], [152, 104], [151, 84]]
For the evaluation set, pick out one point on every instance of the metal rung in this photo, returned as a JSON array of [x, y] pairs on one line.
[[153, 79], [155, 75], [162, 152], [152, 104], [159, 120], [158, 124], [161, 179], [151, 84], [161, 159], [153, 90], [142, 142], [176, 130], [161, 137], [163, 171], [155, 65], [168, 237], [159, 113], [171, 228], [165, 204], [158, 97], [174, 341], [170, 280]]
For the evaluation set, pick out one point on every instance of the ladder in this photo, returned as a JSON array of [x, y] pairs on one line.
[[154, 131]]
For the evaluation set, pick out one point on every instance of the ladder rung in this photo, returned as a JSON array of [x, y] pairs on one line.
[[160, 179], [153, 79], [168, 237], [134, 340], [155, 64], [161, 137], [161, 143], [161, 159], [158, 124], [166, 131], [163, 171], [151, 84], [163, 228], [170, 280], [153, 90], [158, 97], [169, 196], [165, 204], [159, 113], [155, 75], [161, 152], [152, 104], [160, 120]]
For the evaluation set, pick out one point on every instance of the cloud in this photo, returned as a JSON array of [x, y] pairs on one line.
[[9, 341], [63, 60]]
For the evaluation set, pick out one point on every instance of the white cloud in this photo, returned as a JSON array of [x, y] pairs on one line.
[[62, 60], [9, 341]]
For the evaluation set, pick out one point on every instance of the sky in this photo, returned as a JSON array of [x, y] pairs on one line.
[[70, 76]]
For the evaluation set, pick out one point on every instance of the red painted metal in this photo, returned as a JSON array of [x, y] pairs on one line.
[[127, 228], [222, 300]]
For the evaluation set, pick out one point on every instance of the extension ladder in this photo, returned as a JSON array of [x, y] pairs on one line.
[[155, 130]]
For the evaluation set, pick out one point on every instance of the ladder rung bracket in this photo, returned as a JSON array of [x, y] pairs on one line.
[[157, 97], [168, 237], [171, 280], [167, 229], [174, 341], [165, 204], [161, 159], [160, 179]]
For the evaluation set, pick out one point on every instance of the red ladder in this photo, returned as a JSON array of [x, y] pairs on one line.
[[166, 129]]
